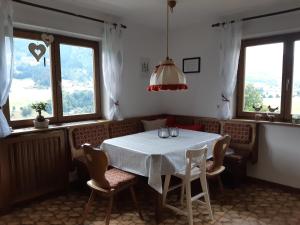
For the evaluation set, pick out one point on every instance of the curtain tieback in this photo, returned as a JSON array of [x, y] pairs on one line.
[[116, 103], [224, 99]]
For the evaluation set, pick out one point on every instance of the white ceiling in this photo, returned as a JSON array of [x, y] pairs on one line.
[[150, 12]]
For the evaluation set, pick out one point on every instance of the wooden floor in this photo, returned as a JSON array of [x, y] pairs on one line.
[[249, 204]]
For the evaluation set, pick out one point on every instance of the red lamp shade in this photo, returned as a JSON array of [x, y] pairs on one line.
[[167, 76]]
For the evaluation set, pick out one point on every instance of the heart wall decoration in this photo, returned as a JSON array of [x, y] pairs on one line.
[[37, 50], [47, 39]]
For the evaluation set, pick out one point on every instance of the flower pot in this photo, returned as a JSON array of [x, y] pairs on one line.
[[40, 125]]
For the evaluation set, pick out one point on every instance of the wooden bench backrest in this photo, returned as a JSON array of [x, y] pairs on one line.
[[93, 134], [243, 134], [243, 137]]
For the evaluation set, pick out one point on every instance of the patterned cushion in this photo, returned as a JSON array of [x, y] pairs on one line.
[[117, 178], [122, 128], [240, 133], [94, 135], [210, 126], [154, 124]]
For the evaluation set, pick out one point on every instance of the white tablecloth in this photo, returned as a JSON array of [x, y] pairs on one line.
[[148, 155]]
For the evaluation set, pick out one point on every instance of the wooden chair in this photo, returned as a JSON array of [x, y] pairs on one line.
[[215, 168], [107, 182], [195, 169]]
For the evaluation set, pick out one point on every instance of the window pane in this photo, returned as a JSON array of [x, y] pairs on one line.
[[31, 82], [77, 73], [263, 77], [296, 80]]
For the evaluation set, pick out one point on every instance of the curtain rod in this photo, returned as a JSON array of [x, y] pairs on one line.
[[260, 16], [64, 12]]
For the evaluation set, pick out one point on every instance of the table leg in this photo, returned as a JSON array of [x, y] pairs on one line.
[[156, 197], [158, 207]]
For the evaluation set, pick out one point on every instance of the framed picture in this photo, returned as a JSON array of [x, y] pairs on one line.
[[191, 65]]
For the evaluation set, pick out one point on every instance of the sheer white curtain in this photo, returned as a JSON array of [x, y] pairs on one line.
[[113, 67], [231, 36], [6, 60]]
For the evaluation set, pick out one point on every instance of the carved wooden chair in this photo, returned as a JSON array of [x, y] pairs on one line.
[[107, 182], [215, 167]]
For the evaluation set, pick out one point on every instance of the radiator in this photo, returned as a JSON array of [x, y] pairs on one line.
[[37, 164]]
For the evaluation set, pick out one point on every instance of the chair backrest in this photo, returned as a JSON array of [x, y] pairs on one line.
[[196, 158], [219, 151], [97, 163]]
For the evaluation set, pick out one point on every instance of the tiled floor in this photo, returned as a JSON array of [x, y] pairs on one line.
[[250, 204]]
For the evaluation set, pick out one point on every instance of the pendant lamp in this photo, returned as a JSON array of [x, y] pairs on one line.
[[166, 75]]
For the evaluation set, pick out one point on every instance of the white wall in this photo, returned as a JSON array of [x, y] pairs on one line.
[[279, 151], [135, 100], [139, 42], [279, 155], [200, 98]]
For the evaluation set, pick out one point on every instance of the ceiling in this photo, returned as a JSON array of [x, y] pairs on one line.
[[150, 12]]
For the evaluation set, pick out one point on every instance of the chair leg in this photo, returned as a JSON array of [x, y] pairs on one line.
[[108, 212], [136, 204], [117, 203], [88, 205], [189, 202], [206, 195], [166, 188], [182, 192], [220, 183]]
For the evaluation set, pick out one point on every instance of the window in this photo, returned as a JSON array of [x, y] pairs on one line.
[[269, 77], [66, 78], [77, 80], [296, 80], [31, 82]]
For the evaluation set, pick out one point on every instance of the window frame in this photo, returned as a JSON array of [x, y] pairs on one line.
[[56, 79], [287, 75]]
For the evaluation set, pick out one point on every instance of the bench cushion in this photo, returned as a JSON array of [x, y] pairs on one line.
[[93, 134], [210, 125], [240, 133], [124, 127]]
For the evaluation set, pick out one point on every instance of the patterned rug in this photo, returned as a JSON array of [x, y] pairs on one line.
[[249, 204]]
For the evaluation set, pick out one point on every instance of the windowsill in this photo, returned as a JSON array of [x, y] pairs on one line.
[[26, 130], [287, 124]]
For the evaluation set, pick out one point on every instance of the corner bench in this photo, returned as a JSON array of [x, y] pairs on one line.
[[243, 144]]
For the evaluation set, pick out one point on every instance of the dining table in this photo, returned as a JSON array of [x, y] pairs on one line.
[[148, 155]]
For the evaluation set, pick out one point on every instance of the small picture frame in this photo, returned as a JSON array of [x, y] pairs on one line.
[[191, 65]]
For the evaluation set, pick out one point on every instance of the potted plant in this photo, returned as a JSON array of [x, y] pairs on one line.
[[40, 121]]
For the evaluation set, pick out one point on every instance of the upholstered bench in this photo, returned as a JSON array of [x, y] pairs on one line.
[[242, 149]]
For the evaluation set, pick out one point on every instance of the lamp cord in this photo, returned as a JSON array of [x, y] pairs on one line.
[[167, 29]]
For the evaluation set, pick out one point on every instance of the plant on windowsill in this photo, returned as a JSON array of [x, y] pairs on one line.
[[40, 121]]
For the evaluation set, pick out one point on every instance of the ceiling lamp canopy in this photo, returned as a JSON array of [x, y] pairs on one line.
[[166, 75]]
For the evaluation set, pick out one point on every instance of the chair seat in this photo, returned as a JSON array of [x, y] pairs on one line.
[[195, 172], [116, 179], [216, 171]]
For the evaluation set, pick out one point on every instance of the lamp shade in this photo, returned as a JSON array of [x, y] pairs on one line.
[[167, 76]]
